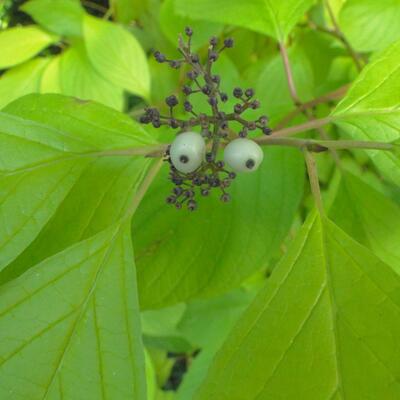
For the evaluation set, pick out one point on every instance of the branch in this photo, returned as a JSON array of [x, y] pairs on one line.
[[314, 181]]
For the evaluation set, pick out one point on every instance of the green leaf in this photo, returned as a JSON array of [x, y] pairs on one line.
[[207, 323], [79, 79], [50, 82], [63, 17], [19, 44], [116, 55], [21, 80], [81, 307], [274, 18], [172, 25], [371, 109], [126, 11], [272, 88], [60, 138], [369, 217], [370, 25], [181, 256], [330, 308]]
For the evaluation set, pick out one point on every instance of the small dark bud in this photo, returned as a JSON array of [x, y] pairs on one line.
[[225, 198], [192, 75], [170, 199], [220, 164], [187, 106], [232, 175], [186, 90], [216, 79], [212, 101], [255, 104], [156, 123], [213, 56], [237, 92], [209, 157], [177, 180], [205, 192], [251, 126], [195, 58], [196, 181], [224, 97], [188, 31], [192, 205], [224, 125], [215, 182], [267, 131], [249, 92], [228, 42], [189, 193], [214, 41], [175, 64], [173, 123], [178, 191], [263, 120], [178, 206], [206, 90], [144, 119], [159, 57], [243, 133], [171, 101], [237, 108]]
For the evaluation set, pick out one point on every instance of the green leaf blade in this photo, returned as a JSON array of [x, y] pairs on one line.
[[331, 304], [117, 55]]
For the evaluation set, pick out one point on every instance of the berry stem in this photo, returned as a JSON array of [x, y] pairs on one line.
[[314, 180]]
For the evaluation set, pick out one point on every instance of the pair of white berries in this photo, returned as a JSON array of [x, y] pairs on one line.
[[188, 150]]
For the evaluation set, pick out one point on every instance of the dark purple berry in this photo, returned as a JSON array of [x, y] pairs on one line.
[[186, 90], [267, 131], [263, 120], [171, 101], [188, 31], [224, 97], [249, 92], [220, 164], [206, 89], [212, 101], [237, 108], [170, 199], [237, 92], [187, 106], [232, 175], [216, 79], [144, 119], [228, 42], [213, 56], [225, 198], [214, 41], [255, 104], [159, 57], [175, 64]]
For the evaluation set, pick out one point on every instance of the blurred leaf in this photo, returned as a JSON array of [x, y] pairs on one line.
[[181, 256], [272, 18], [371, 109], [207, 323], [370, 25], [117, 55], [369, 217], [21, 80], [126, 11], [78, 78], [272, 88], [329, 307], [63, 17], [81, 306], [173, 25], [61, 139], [50, 82], [19, 44]]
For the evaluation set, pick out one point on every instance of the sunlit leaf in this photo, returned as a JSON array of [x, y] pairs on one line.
[[21, 43], [181, 256], [370, 25], [324, 327], [371, 109], [274, 18], [116, 55], [63, 17]]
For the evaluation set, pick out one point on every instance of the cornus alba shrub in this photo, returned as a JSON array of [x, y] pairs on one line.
[[288, 290]]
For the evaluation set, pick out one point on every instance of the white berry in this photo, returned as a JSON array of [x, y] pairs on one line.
[[187, 152], [243, 155]]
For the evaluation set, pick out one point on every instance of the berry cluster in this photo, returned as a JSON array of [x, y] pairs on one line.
[[193, 167]]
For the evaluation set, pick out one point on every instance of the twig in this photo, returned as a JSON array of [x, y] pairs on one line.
[[339, 34], [335, 95], [314, 181]]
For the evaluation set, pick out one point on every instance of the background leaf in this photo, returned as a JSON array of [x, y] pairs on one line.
[[63, 17], [21, 43], [181, 256], [117, 55], [21, 80], [370, 25], [269, 17], [329, 303], [371, 109]]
